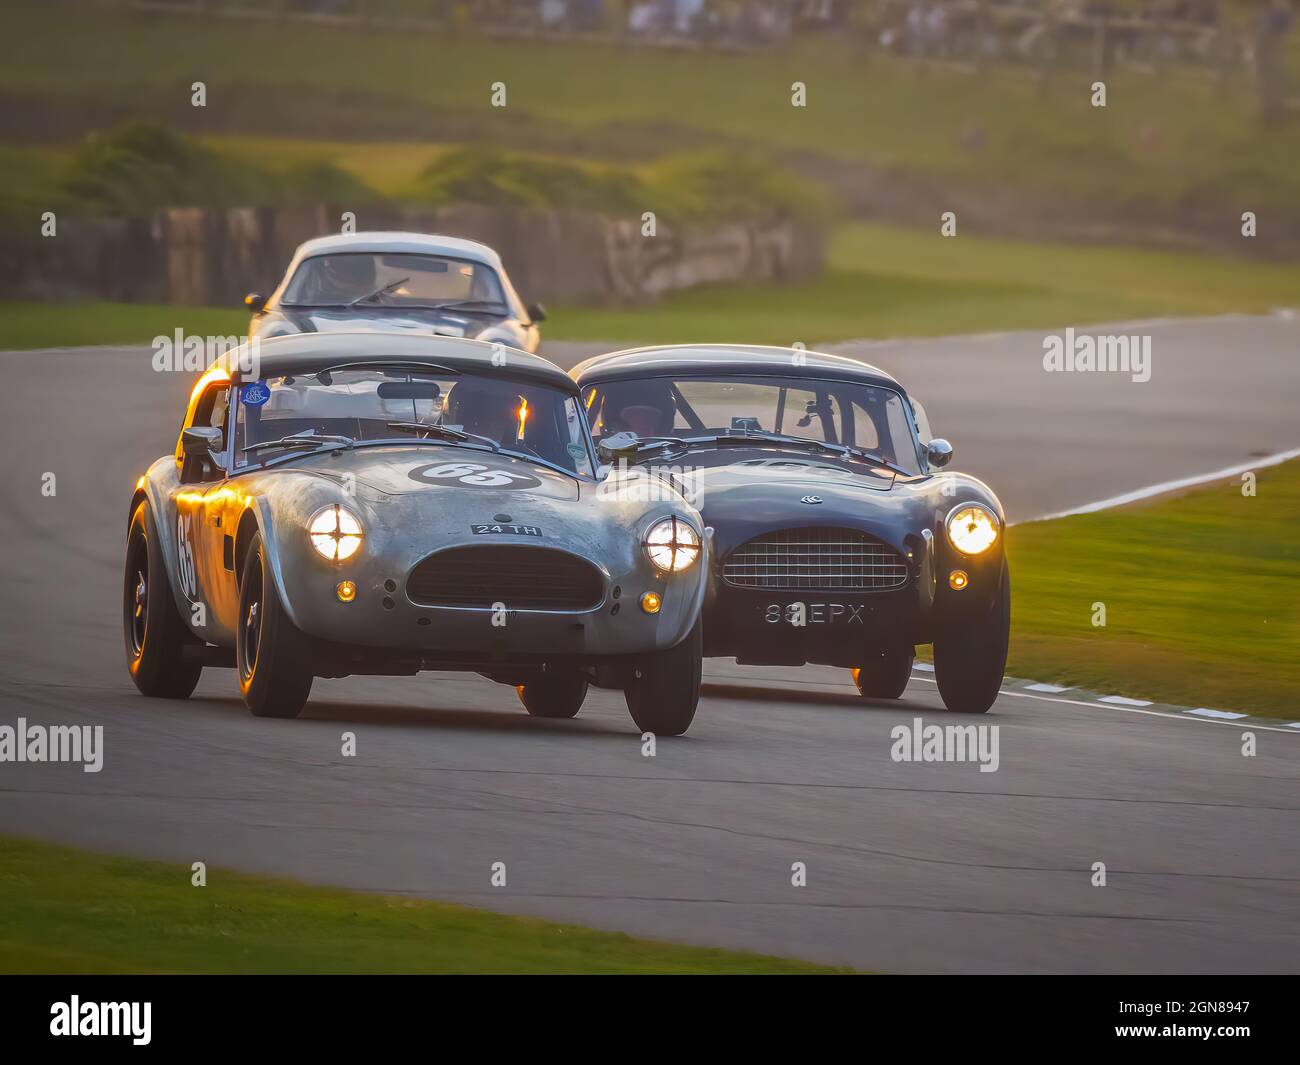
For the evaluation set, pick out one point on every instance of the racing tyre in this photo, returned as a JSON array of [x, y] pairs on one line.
[[665, 687], [156, 635], [970, 658], [271, 655], [554, 695], [885, 674]]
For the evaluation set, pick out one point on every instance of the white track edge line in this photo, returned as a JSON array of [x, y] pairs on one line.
[[1173, 716], [1139, 494]]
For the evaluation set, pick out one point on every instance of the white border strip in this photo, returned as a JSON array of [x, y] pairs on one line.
[[1254, 724], [1223, 714], [1171, 486]]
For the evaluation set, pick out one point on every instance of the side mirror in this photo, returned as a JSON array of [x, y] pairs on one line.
[[201, 442], [617, 446], [536, 312], [938, 453], [254, 302]]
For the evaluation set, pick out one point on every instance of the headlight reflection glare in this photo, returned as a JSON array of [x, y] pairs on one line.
[[335, 533], [972, 529], [672, 545]]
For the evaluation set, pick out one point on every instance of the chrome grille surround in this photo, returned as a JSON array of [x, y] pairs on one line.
[[816, 559]]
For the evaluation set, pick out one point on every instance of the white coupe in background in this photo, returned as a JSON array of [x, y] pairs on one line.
[[414, 283]]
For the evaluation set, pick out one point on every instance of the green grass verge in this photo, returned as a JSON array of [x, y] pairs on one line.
[[57, 325], [882, 282], [894, 282], [1202, 597], [69, 911]]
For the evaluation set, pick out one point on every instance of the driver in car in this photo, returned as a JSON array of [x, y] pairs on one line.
[[483, 407], [341, 279], [646, 408]]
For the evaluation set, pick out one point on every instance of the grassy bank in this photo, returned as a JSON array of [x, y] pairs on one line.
[[57, 325], [68, 911], [882, 282], [1202, 598], [888, 281], [1177, 139]]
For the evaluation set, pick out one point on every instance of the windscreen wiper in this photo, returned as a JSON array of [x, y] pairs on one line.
[[762, 437], [381, 291], [824, 445], [445, 432], [305, 439], [464, 305]]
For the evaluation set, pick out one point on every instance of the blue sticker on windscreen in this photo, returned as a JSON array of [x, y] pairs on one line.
[[254, 394]]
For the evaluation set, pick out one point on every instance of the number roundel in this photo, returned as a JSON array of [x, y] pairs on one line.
[[185, 557], [472, 475]]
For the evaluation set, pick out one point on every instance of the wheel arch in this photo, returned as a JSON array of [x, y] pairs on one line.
[[248, 525]]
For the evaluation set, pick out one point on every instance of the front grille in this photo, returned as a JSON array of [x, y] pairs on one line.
[[815, 559], [520, 577]]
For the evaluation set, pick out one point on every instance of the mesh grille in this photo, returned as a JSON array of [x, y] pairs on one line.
[[820, 559], [521, 577]]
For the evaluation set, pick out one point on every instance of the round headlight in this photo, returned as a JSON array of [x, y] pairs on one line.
[[972, 528], [672, 545], [335, 533]]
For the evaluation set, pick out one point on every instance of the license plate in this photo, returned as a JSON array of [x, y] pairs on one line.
[[505, 530], [801, 614]]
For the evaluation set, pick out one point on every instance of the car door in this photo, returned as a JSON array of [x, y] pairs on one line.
[[205, 564]]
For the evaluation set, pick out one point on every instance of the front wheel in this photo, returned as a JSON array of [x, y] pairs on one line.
[[557, 695], [970, 657], [665, 687], [271, 656], [884, 675]]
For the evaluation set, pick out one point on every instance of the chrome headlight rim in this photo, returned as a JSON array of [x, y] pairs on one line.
[[994, 521], [679, 551], [336, 533]]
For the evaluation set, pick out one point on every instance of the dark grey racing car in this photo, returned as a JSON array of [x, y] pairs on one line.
[[837, 536]]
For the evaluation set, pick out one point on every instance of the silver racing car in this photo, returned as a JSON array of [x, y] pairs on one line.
[[382, 504]]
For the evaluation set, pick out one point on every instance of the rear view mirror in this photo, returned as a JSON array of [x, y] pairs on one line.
[[617, 446], [938, 453], [536, 312], [254, 302], [408, 390], [201, 441]]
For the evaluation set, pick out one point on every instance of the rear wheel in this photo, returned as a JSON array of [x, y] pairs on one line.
[[665, 687], [884, 675], [156, 635], [271, 656], [971, 656], [554, 694]]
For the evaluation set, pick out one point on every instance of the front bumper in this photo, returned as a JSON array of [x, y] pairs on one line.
[[833, 627], [382, 619]]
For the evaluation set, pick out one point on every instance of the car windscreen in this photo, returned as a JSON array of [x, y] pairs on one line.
[[389, 280], [847, 413], [397, 404]]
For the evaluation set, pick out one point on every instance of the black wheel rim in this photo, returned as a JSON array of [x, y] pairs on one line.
[[250, 620], [137, 595]]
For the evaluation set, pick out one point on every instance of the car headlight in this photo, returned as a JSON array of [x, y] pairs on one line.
[[672, 545], [335, 533], [972, 528]]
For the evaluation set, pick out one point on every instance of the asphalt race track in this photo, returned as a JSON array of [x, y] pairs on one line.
[[910, 867]]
